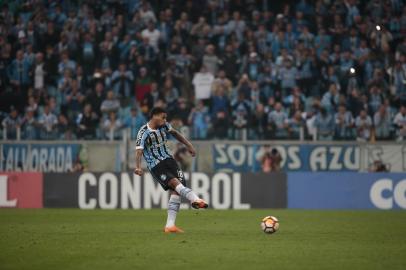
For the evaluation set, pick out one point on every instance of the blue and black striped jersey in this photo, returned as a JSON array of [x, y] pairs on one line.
[[152, 142]]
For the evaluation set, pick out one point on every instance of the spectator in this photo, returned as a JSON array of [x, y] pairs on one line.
[[87, 123], [400, 123], [295, 97], [74, 100], [198, 29], [210, 60], [398, 78], [50, 65], [110, 104], [344, 123], [143, 84], [146, 13], [382, 123], [256, 95], [96, 98], [330, 99], [19, 71], [330, 77], [306, 37], [106, 60], [153, 96], [220, 125], [381, 37], [243, 88], [134, 122], [363, 123], [124, 47], [219, 101], [170, 94], [32, 105], [378, 166], [202, 82], [306, 67], [253, 67], [152, 35], [39, 72], [182, 110], [324, 124], [241, 113], [375, 98], [12, 123], [278, 122], [322, 41], [230, 63], [237, 26], [267, 80], [271, 160], [66, 63], [88, 54], [47, 123], [183, 62], [64, 129], [112, 126], [355, 104], [288, 76], [29, 126], [199, 121], [198, 49], [65, 83], [221, 81], [346, 63], [122, 80], [296, 125]]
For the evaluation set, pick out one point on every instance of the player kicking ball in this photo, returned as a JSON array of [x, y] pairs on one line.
[[151, 141]]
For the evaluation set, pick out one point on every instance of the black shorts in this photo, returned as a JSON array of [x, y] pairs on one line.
[[166, 170]]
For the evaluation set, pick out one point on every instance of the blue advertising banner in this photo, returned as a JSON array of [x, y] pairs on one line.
[[251, 158], [38, 157], [347, 190]]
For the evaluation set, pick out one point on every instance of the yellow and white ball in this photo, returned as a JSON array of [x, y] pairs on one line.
[[269, 224]]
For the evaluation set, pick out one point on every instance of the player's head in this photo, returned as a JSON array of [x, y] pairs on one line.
[[158, 116]]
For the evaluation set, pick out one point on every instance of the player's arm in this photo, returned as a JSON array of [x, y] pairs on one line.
[[183, 140], [139, 148], [138, 155]]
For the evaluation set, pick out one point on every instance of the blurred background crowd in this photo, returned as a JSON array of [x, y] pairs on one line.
[[244, 70]]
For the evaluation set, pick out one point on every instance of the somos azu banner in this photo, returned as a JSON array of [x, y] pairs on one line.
[[314, 158]]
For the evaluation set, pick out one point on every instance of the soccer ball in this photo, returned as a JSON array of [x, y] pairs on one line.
[[269, 224]]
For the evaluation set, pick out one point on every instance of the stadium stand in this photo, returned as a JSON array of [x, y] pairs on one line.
[[246, 70]]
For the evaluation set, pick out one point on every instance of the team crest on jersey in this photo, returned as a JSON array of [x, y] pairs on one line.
[[163, 177]]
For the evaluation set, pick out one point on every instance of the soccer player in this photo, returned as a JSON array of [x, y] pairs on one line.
[[151, 141]]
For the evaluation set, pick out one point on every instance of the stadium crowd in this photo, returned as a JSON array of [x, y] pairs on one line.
[[223, 69]]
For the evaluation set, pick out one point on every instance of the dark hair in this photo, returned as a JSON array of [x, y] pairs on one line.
[[155, 111], [274, 151]]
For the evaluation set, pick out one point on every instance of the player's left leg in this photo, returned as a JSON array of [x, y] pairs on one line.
[[173, 209], [187, 193]]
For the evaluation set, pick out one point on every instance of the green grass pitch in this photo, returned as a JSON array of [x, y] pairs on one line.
[[133, 239]]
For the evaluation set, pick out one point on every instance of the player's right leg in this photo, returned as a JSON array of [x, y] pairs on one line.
[[187, 193], [199, 203]]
